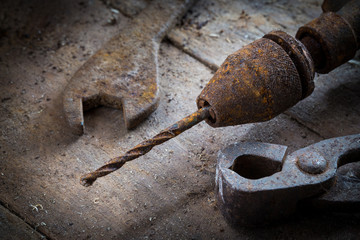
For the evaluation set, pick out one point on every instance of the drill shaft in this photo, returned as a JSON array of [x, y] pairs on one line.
[[145, 146]]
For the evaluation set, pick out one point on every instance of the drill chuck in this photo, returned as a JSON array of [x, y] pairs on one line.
[[270, 75], [259, 81], [264, 78]]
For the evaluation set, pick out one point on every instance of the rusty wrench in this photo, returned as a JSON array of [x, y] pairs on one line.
[[124, 72], [258, 183]]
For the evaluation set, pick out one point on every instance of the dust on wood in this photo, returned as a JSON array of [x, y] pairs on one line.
[[169, 193]]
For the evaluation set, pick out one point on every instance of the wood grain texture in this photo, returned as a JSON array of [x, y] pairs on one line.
[[334, 107], [168, 193], [215, 29], [14, 228]]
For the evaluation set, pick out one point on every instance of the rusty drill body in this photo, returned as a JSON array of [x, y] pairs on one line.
[[270, 75], [264, 78]]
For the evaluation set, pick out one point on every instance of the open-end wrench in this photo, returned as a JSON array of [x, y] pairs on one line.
[[124, 72], [262, 79]]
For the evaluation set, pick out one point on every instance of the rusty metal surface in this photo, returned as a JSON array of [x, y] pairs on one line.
[[124, 72], [294, 55], [145, 146], [151, 199], [344, 194], [232, 24], [333, 5], [273, 183], [254, 84], [351, 13], [333, 39], [300, 56]]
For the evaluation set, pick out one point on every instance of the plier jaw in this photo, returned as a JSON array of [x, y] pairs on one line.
[[257, 183]]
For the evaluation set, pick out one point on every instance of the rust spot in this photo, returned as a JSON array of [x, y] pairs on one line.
[[263, 82], [330, 39]]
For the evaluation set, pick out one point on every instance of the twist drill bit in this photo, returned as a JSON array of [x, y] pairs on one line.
[[145, 146]]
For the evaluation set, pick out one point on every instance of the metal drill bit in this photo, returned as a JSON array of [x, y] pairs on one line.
[[145, 146]]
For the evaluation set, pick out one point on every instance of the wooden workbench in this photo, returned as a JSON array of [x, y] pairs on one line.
[[168, 193]]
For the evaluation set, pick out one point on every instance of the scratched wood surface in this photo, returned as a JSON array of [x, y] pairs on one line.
[[169, 193], [13, 227]]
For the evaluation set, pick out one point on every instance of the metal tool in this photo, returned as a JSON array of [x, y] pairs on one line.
[[147, 145], [266, 77], [123, 74], [333, 38], [333, 5], [258, 183]]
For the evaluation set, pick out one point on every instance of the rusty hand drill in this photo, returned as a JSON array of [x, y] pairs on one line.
[[264, 78]]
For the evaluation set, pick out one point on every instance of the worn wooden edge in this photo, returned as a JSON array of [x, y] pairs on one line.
[[13, 227]]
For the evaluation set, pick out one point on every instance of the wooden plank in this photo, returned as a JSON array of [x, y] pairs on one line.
[[128, 8], [46, 166], [14, 228], [201, 219], [213, 30], [156, 196]]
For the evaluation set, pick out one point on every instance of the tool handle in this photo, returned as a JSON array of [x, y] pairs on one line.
[[332, 38], [158, 18]]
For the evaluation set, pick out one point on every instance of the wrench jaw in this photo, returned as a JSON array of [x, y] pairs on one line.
[[135, 112], [123, 74], [135, 109], [73, 111], [120, 79], [78, 97]]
